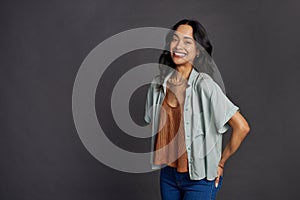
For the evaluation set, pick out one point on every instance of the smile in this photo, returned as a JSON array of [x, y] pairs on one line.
[[179, 54]]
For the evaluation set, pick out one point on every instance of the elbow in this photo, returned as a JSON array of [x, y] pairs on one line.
[[245, 129]]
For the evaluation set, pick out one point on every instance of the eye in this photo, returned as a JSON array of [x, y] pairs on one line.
[[187, 42], [174, 39]]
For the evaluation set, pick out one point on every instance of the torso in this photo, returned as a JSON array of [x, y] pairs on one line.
[[175, 94]]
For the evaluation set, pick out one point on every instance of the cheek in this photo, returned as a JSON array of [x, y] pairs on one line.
[[192, 51], [172, 45]]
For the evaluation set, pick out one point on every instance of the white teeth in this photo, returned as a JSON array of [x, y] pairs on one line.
[[179, 54]]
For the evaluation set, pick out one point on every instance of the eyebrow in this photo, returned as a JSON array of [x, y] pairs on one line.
[[185, 37]]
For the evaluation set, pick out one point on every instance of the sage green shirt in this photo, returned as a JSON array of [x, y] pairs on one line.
[[206, 113]]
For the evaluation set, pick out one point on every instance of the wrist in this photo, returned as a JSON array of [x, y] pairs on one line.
[[221, 164]]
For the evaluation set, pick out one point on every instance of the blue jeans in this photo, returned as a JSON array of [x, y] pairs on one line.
[[178, 186]]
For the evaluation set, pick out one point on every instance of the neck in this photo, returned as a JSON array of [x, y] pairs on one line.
[[184, 70]]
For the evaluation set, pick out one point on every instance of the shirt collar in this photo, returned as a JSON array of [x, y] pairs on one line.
[[193, 74]]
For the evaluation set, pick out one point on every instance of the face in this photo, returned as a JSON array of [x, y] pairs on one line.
[[183, 47]]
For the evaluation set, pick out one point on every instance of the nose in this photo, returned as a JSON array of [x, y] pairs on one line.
[[179, 45]]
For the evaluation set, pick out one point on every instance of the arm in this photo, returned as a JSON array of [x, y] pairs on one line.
[[240, 129]]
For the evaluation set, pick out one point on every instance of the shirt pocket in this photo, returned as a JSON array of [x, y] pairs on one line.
[[198, 124], [198, 136]]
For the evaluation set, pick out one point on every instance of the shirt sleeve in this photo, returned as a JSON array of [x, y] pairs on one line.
[[222, 108], [148, 105]]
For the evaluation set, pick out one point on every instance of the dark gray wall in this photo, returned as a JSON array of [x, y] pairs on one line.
[[43, 43]]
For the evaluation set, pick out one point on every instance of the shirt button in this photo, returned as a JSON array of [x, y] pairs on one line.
[[187, 123], [186, 109]]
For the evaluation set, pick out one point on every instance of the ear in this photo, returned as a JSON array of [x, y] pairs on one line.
[[197, 52]]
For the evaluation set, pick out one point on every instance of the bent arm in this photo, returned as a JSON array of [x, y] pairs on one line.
[[240, 129]]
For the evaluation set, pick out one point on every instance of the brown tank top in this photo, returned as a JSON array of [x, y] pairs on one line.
[[170, 146]]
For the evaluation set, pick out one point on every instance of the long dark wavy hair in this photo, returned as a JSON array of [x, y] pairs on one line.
[[200, 36]]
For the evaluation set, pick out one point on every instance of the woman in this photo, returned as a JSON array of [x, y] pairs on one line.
[[191, 115]]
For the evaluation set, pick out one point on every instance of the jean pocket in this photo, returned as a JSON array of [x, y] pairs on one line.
[[220, 182]]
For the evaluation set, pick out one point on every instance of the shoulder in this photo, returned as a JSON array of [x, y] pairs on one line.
[[154, 83], [156, 79], [204, 78], [204, 83]]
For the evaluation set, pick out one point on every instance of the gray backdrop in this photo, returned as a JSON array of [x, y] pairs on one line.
[[43, 43]]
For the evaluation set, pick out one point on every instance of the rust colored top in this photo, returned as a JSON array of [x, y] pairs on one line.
[[170, 139]]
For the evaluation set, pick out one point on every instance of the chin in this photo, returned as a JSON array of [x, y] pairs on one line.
[[179, 61]]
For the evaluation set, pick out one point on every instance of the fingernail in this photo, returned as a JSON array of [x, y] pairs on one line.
[[216, 185]]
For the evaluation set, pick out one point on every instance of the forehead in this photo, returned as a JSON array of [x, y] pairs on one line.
[[184, 30]]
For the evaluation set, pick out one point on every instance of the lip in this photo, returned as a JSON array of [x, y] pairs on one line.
[[177, 56], [179, 52]]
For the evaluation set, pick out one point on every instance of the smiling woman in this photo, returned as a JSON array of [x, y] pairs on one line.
[[193, 114], [182, 47]]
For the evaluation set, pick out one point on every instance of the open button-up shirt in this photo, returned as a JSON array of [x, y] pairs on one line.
[[207, 111]]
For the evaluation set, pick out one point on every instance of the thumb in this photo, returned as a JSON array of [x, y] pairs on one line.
[[217, 181]]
